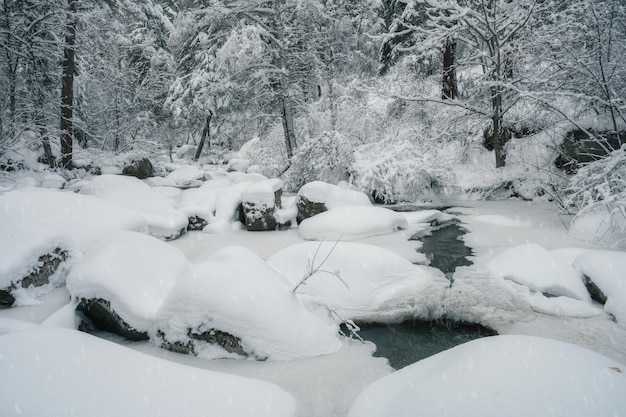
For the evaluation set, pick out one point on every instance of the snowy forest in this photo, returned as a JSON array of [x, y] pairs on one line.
[[301, 208]]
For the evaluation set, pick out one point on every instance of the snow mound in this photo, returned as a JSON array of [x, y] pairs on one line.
[[535, 267], [501, 375], [23, 243], [351, 223], [133, 271], [227, 202], [332, 195], [236, 292], [563, 306], [607, 270], [79, 374], [362, 282], [186, 176], [84, 218], [163, 220], [498, 220]]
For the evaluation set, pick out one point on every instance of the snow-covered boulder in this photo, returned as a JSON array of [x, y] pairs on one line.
[[317, 196], [538, 269], [259, 201], [186, 176], [139, 168], [362, 282], [84, 218], [121, 282], [78, 374], [352, 222], [164, 221], [516, 376], [606, 270], [236, 298], [238, 165], [33, 260]]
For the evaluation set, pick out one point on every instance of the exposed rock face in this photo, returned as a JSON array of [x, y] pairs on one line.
[[225, 340], [259, 204], [595, 292], [259, 218], [99, 311], [141, 168], [196, 223], [308, 208], [578, 147], [49, 264]]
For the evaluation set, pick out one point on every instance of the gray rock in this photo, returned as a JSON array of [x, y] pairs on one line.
[[140, 168], [595, 291], [579, 148], [225, 340], [308, 208], [103, 317], [196, 223]]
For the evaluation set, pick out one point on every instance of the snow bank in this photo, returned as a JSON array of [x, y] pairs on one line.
[[351, 222], [607, 270], [163, 220], [23, 243], [82, 217], [78, 374], [501, 375], [362, 282], [133, 271], [236, 292], [332, 195], [227, 202], [541, 271]]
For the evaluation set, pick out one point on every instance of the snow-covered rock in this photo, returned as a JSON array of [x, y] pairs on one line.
[[237, 293], [132, 272], [33, 260], [316, 197], [516, 376], [84, 218], [186, 176], [163, 220], [228, 202], [139, 168], [607, 271], [259, 201], [537, 268], [362, 282], [78, 374], [238, 164], [352, 222]]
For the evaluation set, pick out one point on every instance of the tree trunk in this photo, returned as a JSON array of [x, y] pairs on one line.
[[67, 91], [496, 124], [287, 117], [206, 133], [449, 88]]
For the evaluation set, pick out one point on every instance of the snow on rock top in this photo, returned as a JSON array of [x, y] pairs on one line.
[[351, 222], [186, 175], [516, 376], [261, 193], [133, 271], [362, 282], [23, 243], [79, 374], [537, 268], [84, 218], [164, 221], [607, 270], [236, 292], [332, 195]]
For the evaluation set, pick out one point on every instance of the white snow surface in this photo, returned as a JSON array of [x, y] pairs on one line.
[[84, 218], [60, 372], [236, 292], [332, 195], [351, 223], [23, 243], [133, 271], [362, 282], [501, 375], [534, 266], [607, 270], [163, 220], [186, 176], [261, 193]]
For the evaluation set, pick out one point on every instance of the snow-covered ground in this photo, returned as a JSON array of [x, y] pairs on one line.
[[526, 280]]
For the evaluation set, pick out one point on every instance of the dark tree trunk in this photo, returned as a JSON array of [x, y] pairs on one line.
[[67, 91], [206, 133], [449, 87], [496, 123]]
